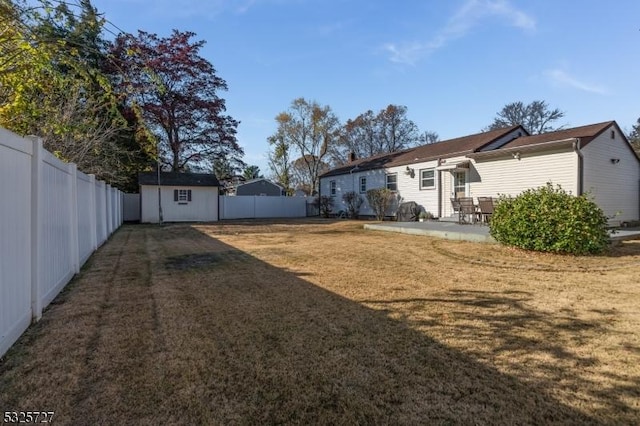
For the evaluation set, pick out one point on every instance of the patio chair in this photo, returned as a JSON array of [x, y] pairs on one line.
[[467, 210], [486, 206], [455, 204]]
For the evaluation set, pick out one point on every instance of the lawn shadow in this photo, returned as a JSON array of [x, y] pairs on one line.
[[288, 351], [212, 335], [531, 336], [279, 221]]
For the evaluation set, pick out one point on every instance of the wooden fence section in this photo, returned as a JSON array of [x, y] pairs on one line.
[[52, 217]]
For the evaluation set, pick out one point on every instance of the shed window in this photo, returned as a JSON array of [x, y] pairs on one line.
[[427, 179], [363, 184], [182, 196], [392, 182], [332, 188]]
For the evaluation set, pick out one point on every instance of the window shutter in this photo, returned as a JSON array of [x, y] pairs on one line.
[[189, 195], [175, 195]]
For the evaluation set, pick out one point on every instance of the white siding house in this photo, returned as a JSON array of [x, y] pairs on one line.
[[184, 197], [596, 159], [612, 175]]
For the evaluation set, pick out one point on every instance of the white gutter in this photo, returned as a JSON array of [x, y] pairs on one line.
[[524, 148], [576, 148]]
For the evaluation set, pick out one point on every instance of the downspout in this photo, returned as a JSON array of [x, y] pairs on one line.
[[576, 148], [353, 183], [440, 211], [319, 195]]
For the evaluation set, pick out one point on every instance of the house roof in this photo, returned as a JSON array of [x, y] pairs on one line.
[[448, 148], [261, 179], [178, 179], [585, 133]]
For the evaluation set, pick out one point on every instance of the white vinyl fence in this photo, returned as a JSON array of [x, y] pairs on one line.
[[250, 206], [52, 217]]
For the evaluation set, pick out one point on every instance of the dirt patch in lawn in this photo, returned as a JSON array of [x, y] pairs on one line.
[[322, 322]]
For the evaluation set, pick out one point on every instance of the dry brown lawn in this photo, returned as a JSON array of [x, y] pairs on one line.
[[321, 322]]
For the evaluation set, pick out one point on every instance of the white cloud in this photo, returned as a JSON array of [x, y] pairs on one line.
[[471, 14], [332, 28], [562, 78]]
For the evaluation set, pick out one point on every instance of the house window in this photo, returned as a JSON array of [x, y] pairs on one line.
[[392, 182], [427, 179], [363, 184], [332, 188], [182, 196], [613, 134]]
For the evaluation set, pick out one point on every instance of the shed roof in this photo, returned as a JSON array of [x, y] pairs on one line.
[[178, 179]]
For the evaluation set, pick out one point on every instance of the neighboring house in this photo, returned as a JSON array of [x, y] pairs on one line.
[[260, 186], [597, 159], [186, 197]]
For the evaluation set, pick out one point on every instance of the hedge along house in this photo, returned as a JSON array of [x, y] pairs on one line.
[[595, 158], [184, 197]]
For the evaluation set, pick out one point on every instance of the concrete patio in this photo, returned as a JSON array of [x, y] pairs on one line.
[[474, 233], [433, 228]]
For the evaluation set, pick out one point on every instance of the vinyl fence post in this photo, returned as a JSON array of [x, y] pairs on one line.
[[120, 208], [255, 209], [36, 227], [107, 208], [73, 217], [93, 213]]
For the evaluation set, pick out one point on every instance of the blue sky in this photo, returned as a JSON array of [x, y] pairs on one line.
[[454, 64]]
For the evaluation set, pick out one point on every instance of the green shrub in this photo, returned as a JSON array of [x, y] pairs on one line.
[[552, 220], [354, 202], [380, 200], [324, 204]]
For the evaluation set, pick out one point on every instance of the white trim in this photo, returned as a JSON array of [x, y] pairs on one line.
[[386, 181], [458, 165], [524, 148], [333, 188], [421, 178], [466, 181], [360, 185]]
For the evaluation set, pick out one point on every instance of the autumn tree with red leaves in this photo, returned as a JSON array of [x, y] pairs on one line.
[[177, 91]]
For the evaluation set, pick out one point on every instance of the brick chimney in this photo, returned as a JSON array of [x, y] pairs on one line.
[[352, 157]]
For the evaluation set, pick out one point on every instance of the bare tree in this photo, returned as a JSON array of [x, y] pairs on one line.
[[308, 129], [301, 174], [429, 137], [370, 134], [396, 130], [279, 162], [535, 117]]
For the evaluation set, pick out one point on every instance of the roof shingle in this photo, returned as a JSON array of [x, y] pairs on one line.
[[448, 148], [178, 179], [585, 133]]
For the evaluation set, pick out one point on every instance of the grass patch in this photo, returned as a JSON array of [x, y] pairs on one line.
[[203, 260], [318, 321]]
